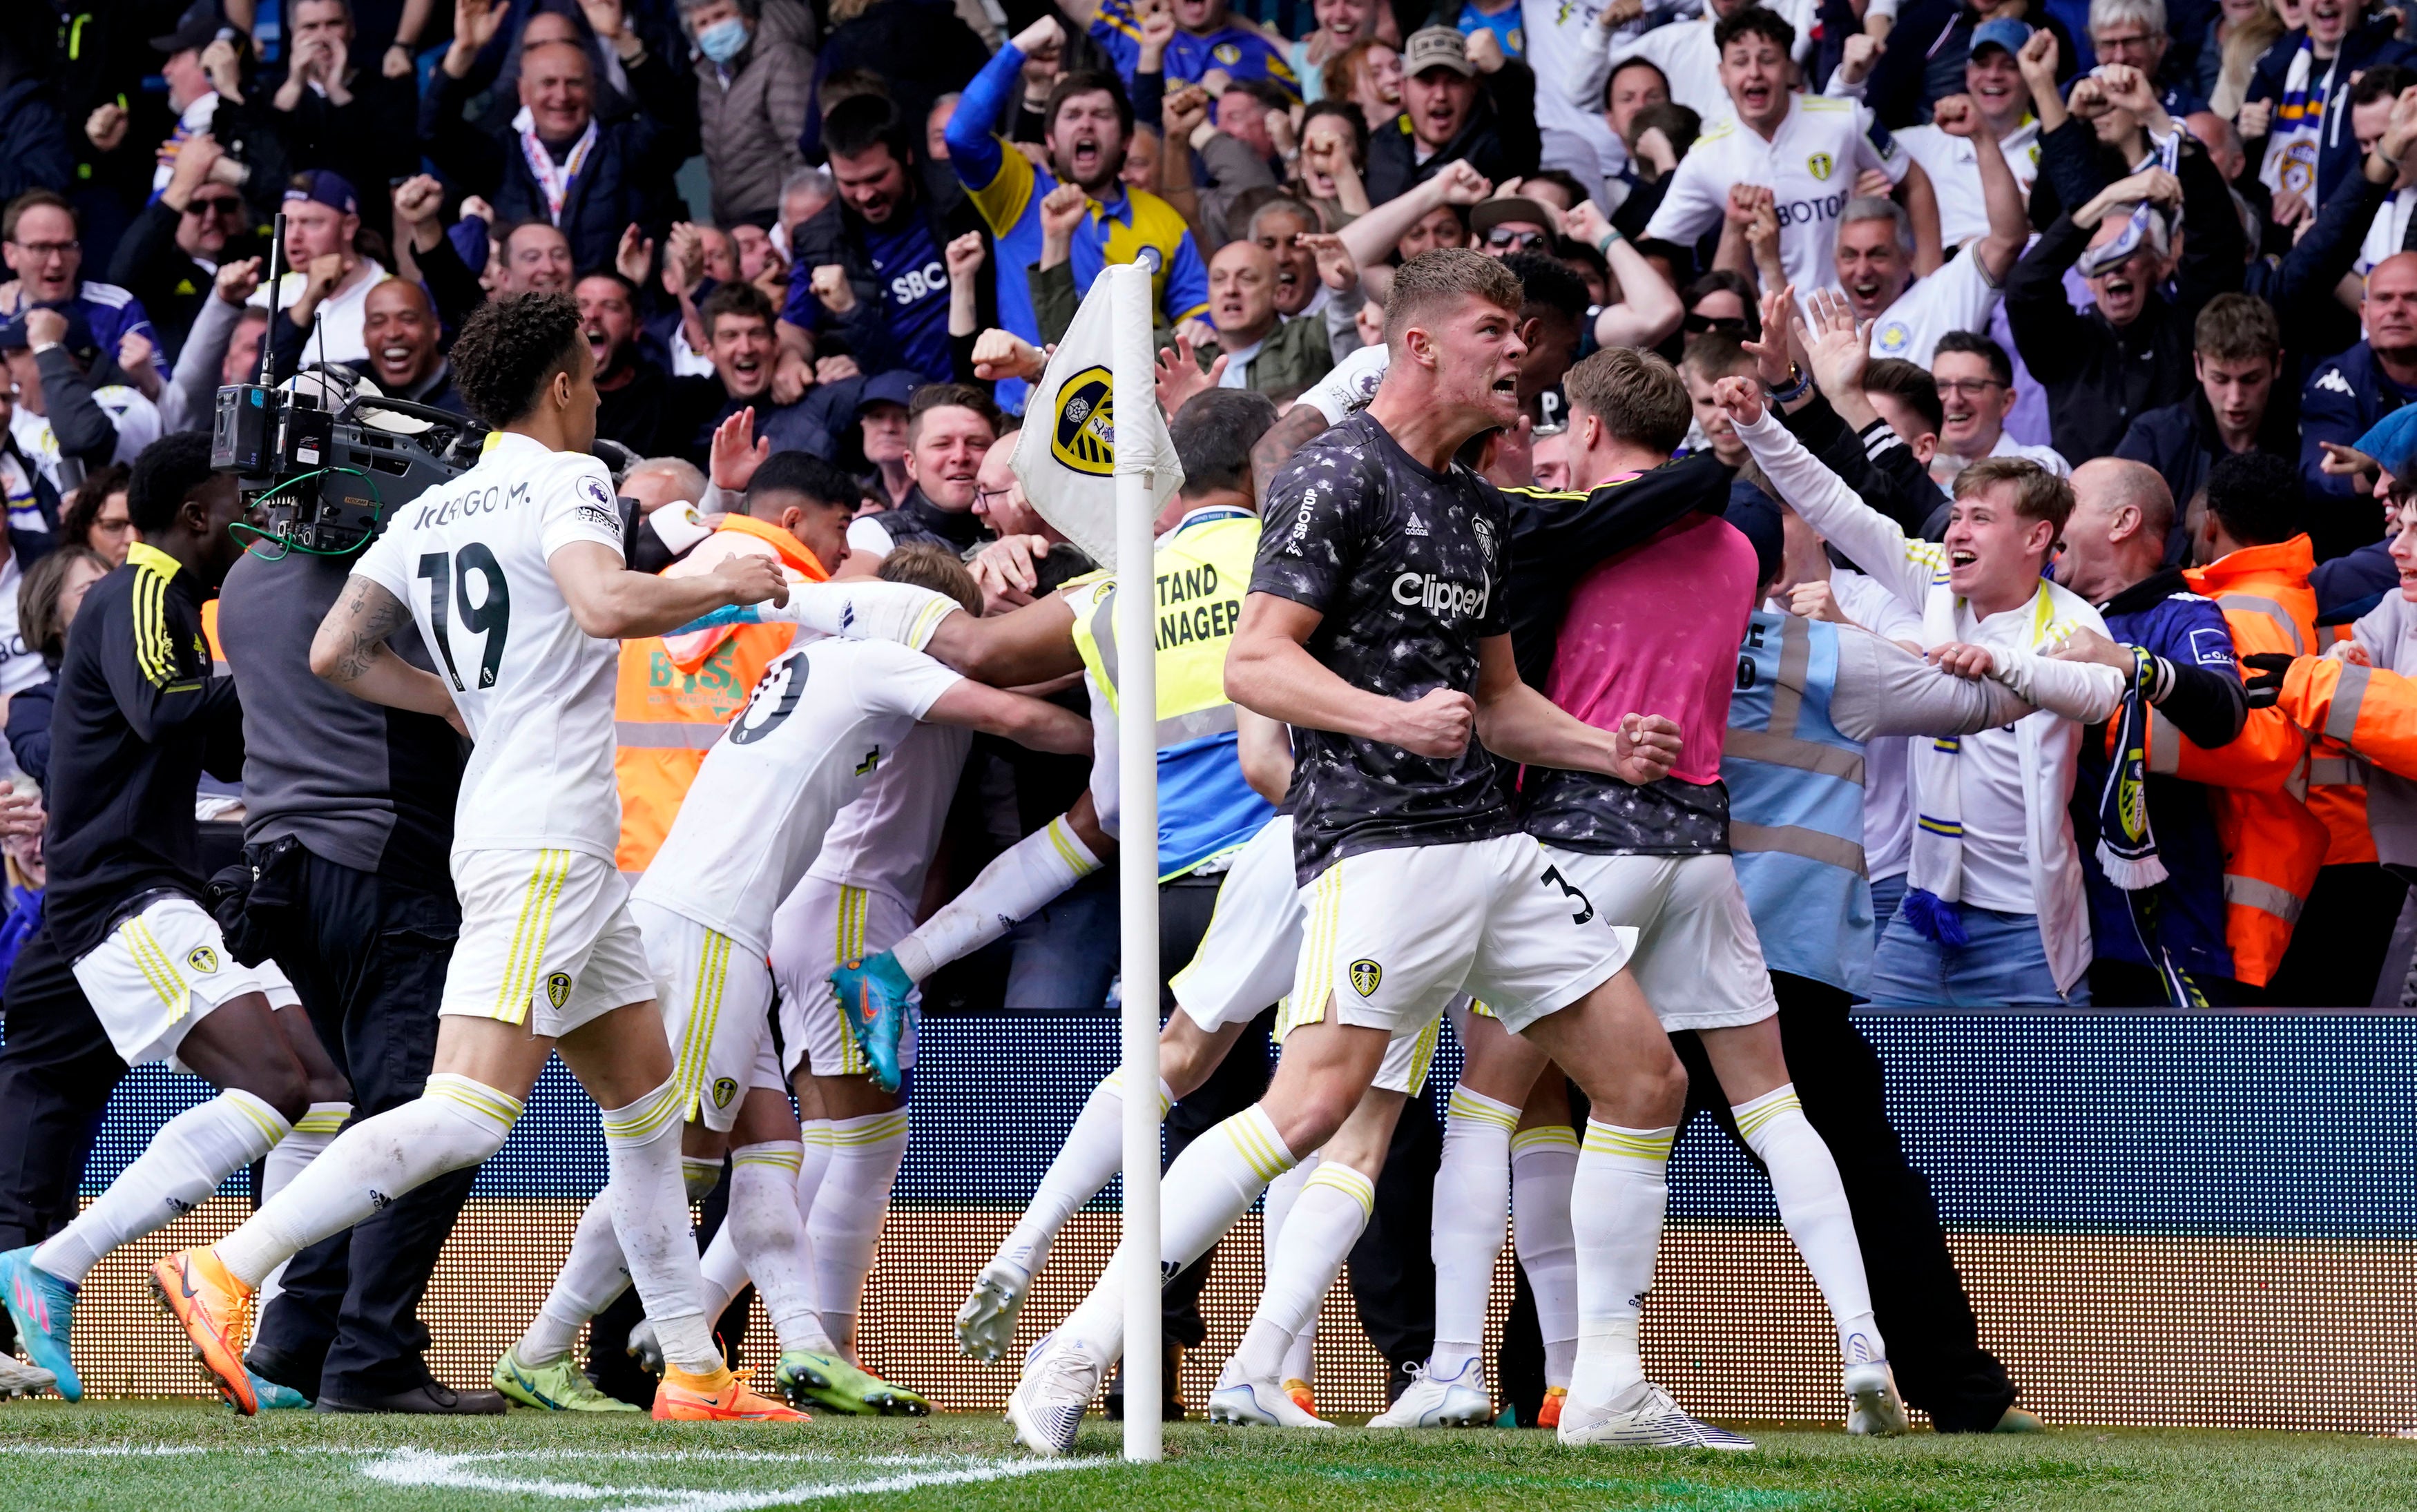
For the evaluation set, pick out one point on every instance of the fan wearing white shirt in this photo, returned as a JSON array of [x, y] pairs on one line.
[[1992, 80], [329, 279], [1976, 393], [1807, 150], [1687, 51], [1875, 255], [2383, 117]]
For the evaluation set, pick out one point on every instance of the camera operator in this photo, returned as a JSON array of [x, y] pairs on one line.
[[350, 824]]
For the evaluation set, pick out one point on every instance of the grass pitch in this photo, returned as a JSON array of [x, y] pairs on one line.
[[54, 1457]]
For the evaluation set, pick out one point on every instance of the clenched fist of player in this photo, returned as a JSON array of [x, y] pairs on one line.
[[1437, 723]]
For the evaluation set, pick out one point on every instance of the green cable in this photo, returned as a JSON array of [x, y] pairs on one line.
[[289, 547]]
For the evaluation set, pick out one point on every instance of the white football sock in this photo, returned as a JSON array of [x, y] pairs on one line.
[[847, 1221], [649, 1210], [1472, 1195], [313, 1132], [1616, 1200], [1300, 1359], [1813, 1203], [176, 1173], [591, 1277], [1025, 876], [454, 1122], [1326, 1220], [770, 1238], [1277, 1206], [1543, 1166], [1092, 1154], [1209, 1187], [720, 1274]]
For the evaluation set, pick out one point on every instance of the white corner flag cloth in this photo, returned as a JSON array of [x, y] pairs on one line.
[[1078, 433]]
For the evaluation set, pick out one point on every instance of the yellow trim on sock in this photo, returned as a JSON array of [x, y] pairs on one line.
[[875, 1129], [1346, 1181], [1480, 1108], [644, 1118], [1636, 1143], [1254, 1137], [477, 1096], [1545, 1137], [1754, 1117], [269, 1120], [324, 1118], [771, 1152]]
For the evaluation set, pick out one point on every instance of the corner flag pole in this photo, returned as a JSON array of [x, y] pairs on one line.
[[1136, 629]]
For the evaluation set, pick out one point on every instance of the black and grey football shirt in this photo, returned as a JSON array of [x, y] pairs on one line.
[[1406, 565]]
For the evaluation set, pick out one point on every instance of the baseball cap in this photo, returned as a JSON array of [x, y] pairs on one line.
[[1487, 214], [2004, 32], [1436, 47], [2391, 440], [895, 387], [328, 187], [196, 27], [78, 339]]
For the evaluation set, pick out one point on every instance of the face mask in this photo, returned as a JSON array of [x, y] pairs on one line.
[[723, 39]]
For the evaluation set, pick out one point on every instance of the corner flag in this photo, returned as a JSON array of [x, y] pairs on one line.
[[1069, 449]]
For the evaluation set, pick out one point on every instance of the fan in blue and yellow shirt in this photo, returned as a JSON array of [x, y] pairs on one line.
[[1087, 126], [1207, 40]]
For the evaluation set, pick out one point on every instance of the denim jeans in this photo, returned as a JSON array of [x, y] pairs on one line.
[[2005, 965]]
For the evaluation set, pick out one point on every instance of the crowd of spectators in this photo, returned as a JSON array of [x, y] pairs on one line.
[[2163, 250]]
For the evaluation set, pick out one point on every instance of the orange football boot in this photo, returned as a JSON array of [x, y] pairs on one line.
[[683, 1398], [1302, 1394], [215, 1310], [1549, 1414]]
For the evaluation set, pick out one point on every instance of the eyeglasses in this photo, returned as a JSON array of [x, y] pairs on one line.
[[1517, 240], [48, 248], [982, 495], [1694, 324], [215, 204], [1969, 388]]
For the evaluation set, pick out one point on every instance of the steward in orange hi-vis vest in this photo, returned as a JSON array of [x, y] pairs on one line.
[[677, 692]]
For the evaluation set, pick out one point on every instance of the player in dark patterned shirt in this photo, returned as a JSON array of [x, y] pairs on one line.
[[1373, 629]]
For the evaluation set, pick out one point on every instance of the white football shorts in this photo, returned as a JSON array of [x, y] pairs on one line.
[[547, 941], [717, 1003], [1698, 960], [819, 926], [1247, 956], [162, 971], [1393, 935]]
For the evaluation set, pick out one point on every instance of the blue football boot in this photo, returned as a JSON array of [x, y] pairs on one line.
[[43, 1307], [874, 995]]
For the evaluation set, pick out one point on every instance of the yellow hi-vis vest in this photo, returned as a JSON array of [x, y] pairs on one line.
[[1206, 810]]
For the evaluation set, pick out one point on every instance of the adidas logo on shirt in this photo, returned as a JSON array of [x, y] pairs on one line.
[[1417, 526]]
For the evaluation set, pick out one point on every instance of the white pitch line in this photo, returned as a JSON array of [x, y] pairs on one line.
[[419, 1468]]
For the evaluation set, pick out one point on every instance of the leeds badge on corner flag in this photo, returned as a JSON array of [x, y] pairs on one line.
[[1067, 455]]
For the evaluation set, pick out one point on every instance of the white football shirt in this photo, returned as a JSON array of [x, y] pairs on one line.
[[1957, 297], [825, 718], [1955, 169], [1810, 165], [536, 690], [884, 841]]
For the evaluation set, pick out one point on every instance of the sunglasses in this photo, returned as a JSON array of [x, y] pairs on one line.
[[1694, 324], [1517, 240], [215, 204]]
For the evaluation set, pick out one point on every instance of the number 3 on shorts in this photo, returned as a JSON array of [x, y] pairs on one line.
[[1586, 910]]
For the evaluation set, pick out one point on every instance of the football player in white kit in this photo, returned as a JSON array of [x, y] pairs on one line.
[[513, 573], [823, 721]]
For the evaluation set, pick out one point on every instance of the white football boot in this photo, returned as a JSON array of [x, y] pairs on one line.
[[1875, 1409], [986, 1321], [1060, 1378], [1643, 1416], [1433, 1401], [1263, 1403]]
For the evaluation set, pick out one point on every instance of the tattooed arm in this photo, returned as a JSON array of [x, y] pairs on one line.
[[350, 651]]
